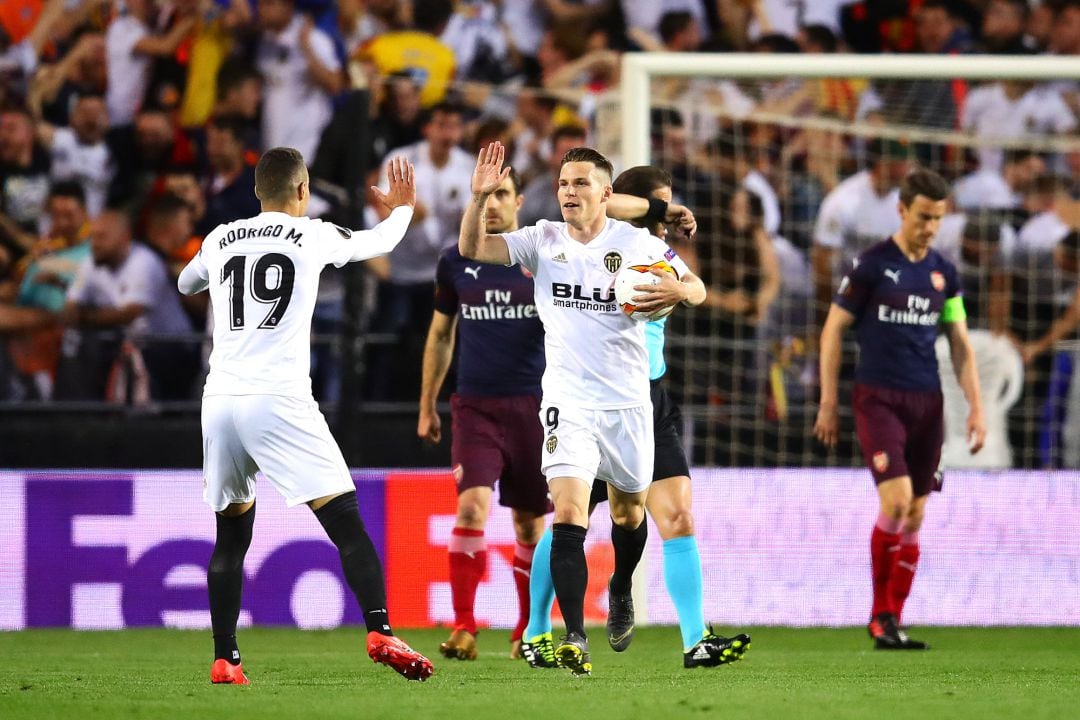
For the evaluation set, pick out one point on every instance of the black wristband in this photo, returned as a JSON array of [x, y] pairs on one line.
[[657, 210]]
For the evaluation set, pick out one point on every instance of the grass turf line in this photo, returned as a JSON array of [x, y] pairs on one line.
[[797, 673]]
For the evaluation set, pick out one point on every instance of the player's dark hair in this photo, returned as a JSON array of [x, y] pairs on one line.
[[278, 173], [515, 180], [641, 181], [923, 182], [587, 154], [68, 189], [567, 130], [673, 23]]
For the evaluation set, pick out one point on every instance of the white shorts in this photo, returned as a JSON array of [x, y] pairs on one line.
[[613, 445], [285, 437]]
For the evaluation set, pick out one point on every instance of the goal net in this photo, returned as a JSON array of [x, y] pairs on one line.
[[791, 165]]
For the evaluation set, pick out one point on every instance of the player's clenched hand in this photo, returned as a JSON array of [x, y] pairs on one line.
[[429, 427], [976, 431], [402, 190], [668, 292], [489, 173], [683, 220], [826, 427]]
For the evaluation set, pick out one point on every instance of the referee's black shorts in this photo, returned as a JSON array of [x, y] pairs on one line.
[[670, 460]]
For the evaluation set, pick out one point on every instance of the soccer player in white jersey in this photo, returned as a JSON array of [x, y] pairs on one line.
[[258, 412], [596, 408]]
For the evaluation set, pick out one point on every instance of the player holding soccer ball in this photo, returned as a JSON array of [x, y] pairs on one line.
[[668, 501], [258, 412], [898, 295], [596, 408]]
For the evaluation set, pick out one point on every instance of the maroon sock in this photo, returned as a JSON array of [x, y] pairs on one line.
[[523, 557], [468, 564], [903, 572], [884, 542]]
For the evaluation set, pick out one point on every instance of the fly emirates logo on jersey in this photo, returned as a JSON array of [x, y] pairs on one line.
[[498, 306], [577, 297], [917, 312]]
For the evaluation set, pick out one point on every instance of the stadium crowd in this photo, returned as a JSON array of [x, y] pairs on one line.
[[130, 128]]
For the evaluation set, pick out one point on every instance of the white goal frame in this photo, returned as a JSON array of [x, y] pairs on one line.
[[638, 69]]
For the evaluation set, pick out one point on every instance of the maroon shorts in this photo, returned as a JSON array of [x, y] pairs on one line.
[[499, 439], [901, 432]]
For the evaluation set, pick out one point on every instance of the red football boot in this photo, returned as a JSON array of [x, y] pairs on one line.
[[393, 652], [222, 672]]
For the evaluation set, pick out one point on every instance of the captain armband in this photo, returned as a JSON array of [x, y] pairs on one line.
[[953, 311]]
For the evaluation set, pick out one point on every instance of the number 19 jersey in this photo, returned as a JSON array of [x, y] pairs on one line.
[[263, 275], [596, 355]]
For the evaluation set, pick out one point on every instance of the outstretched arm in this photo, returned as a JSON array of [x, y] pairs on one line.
[[474, 243], [399, 199], [631, 207]]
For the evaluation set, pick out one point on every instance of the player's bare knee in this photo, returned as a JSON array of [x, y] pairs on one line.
[[471, 515], [628, 516], [528, 529], [679, 523]]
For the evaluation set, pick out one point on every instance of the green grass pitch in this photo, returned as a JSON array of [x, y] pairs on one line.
[[788, 673]]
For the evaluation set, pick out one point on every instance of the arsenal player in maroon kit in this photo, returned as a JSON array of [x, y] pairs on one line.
[[898, 296]]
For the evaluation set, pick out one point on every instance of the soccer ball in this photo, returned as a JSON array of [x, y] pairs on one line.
[[638, 274]]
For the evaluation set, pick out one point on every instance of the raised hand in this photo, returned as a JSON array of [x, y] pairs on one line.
[[402, 191], [490, 173]]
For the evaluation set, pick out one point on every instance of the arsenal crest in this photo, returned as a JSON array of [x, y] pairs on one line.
[[552, 443], [881, 461], [459, 473], [613, 261], [937, 280]]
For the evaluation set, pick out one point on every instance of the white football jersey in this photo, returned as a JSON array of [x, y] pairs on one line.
[[596, 355], [263, 276]]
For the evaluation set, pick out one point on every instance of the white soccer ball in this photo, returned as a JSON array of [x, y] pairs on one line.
[[638, 274]]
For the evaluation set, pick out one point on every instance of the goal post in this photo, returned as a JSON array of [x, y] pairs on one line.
[[639, 68], [784, 131]]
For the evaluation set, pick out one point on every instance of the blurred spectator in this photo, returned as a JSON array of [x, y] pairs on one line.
[[170, 230], [130, 46], [738, 264], [987, 189], [230, 187], [541, 194], [417, 51], [123, 292], [302, 73], [1013, 109], [79, 152], [532, 128], [978, 243], [1065, 31], [734, 165], [572, 56], [57, 87], [680, 32], [786, 18], [211, 42], [56, 259], [399, 119], [481, 51], [359, 21], [939, 30], [406, 290], [24, 32], [1003, 28], [24, 174], [145, 153], [813, 159], [239, 94], [649, 16], [858, 212]]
